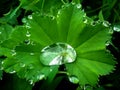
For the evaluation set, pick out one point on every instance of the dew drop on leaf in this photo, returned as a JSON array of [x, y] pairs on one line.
[[78, 6], [13, 52], [32, 54], [29, 16], [27, 42], [22, 64], [24, 20], [30, 66], [106, 24], [57, 54], [27, 26], [116, 28], [93, 23], [28, 34], [31, 82], [74, 79], [41, 76], [12, 72], [85, 21]]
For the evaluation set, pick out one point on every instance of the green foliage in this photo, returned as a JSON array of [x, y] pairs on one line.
[[52, 22], [40, 31]]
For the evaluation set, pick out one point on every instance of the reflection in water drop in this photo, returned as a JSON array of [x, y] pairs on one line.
[[74, 79], [57, 54]]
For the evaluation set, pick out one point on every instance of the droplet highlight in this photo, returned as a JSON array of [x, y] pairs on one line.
[[74, 79], [57, 54]]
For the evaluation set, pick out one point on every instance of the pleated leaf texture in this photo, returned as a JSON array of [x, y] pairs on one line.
[[70, 26]]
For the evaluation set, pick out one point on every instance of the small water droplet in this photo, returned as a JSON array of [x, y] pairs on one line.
[[57, 54], [2, 62], [41, 76], [106, 24], [13, 52], [78, 6], [28, 34], [51, 70], [27, 26], [87, 87], [27, 42], [30, 66], [30, 17], [0, 32], [1, 68], [24, 20], [31, 82], [74, 79], [32, 43], [32, 54], [12, 72], [22, 64], [93, 23], [85, 20], [116, 28]]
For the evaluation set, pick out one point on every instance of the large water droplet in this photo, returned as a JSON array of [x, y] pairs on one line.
[[57, 54], [74, 79]]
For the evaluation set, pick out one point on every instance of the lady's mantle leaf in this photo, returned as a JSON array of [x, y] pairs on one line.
[[70, 26]]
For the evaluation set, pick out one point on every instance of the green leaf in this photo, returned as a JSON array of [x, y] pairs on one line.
[[71, 26], [27, 64]]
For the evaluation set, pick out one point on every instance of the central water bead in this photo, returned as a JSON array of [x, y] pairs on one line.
[[57, 54]]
